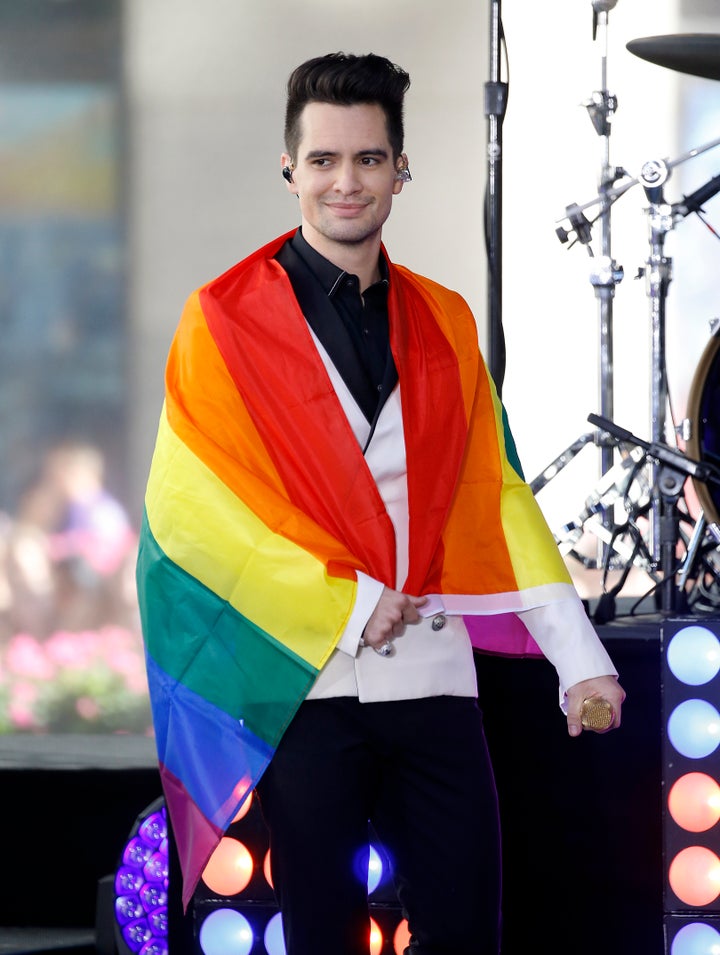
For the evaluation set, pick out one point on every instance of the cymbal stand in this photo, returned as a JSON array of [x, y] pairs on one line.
[[658, 275], [604, 272]]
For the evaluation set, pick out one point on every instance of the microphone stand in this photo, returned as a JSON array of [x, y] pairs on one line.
[[605, 274], [495, 105]]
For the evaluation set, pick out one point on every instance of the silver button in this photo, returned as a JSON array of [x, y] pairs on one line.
[[438, 621]]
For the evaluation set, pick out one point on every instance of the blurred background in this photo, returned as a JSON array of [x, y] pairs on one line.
[[139, 157]]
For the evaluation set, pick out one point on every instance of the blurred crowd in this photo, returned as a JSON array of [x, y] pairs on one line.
[[67, 557]]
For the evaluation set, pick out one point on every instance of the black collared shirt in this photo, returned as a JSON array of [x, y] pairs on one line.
[[362, 355]]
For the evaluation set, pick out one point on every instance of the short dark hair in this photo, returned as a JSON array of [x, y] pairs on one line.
[[345, 79]]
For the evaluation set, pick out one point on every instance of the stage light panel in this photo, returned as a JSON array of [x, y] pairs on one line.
[[234, 908], [691, 783], [141, 886]]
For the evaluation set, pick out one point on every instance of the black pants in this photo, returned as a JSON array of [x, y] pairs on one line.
[[420, 772]]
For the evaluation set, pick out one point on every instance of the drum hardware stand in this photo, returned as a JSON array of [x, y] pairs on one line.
[[666, 468], [673, 467], [575, 217], [561, 461], [657, 271], [604, 273], [618, 483], [658, 275], [701, 530], [628, 482], [697, 562]]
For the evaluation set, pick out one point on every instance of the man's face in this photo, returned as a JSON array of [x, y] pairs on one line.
[[344, 175]]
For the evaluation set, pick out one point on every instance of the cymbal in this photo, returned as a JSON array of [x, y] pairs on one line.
[[695, 53]]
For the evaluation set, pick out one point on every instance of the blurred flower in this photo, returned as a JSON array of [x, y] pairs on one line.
[[87, 708], [23, 697], [90, 681], [25, 657]]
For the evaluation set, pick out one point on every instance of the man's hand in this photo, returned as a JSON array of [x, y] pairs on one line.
[[393, 612], [604, 687]]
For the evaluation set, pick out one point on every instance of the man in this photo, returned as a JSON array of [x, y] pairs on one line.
[[335, 517]]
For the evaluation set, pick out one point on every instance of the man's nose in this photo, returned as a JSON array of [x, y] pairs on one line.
[[347, 179]]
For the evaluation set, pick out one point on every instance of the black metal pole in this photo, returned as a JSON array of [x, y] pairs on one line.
[[495, 105]]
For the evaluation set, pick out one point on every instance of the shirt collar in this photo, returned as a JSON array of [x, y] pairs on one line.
[[329, 275]]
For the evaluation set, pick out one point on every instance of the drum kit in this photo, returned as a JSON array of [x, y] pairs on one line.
[[638, 513]]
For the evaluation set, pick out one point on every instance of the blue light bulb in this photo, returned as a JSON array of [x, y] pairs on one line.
[[136, 934], [153, 829], [153, 895], [127, 908], [693, 655], [156, 868], [274, 939], [694, 728], [128, 880], [136, 853], [226, 930], [156, 946], [696, 938], [375, 870]]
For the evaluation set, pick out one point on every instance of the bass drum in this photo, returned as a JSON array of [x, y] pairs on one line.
[[704, 417]]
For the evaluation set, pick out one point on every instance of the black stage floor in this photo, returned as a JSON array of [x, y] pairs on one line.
[[33, 941], [582, 818]]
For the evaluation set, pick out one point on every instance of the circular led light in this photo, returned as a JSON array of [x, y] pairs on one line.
[[267, 869], [693, 655], [694, 728], [226, 930], [696, 938], [401, 939], [273, 938], [375, 870], [694, 875], [694, 802], [244, 809], [376, 938], [229, 868]]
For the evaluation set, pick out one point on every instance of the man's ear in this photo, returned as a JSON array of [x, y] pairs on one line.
[[287, 167], [402, 173]]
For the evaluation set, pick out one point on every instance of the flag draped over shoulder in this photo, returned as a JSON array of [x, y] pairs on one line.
[[260, 509]]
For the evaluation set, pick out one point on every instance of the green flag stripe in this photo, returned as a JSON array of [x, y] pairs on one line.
[[202, 642]]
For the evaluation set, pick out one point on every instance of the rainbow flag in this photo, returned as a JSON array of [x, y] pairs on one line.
[[260, 509]]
